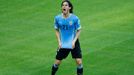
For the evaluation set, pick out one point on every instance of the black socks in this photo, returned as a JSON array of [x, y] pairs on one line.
[[80, 69], [54, 69]]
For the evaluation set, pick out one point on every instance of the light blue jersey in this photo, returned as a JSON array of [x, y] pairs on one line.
[[67, 28]]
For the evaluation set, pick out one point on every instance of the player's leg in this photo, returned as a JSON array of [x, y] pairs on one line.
[[77, 55], [61, 54]]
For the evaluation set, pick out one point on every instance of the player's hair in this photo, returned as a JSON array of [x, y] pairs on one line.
[[70, 5]]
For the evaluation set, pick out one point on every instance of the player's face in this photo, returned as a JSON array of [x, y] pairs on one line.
[[65, 8]]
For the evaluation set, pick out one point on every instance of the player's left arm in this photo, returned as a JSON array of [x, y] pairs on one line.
[[78, 30]]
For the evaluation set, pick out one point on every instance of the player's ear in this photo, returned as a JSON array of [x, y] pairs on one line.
[[69, 8]]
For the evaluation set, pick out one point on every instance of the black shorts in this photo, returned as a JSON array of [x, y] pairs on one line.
[[62, 53]]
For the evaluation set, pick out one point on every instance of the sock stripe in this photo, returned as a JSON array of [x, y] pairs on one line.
[[55, 65], [80, 66]]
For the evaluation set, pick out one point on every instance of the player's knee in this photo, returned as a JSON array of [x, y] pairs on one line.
[[78, 61], [58, 62]]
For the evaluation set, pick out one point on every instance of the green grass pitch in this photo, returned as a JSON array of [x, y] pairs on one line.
[[28, 43]]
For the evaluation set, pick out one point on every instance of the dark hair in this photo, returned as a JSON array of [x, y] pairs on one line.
[[70, 5]]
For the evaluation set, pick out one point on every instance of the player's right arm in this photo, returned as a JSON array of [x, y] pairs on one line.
[[56, 26], [58, 37]]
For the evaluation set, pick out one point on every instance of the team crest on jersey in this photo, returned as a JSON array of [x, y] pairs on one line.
[[71, 22]]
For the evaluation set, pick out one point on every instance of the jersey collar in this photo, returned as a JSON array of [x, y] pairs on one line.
[[67, 17]]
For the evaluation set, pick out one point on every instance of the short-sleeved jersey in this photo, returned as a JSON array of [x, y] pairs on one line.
[[67, 28]]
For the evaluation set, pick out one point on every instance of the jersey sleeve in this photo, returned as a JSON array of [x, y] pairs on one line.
[[78, 26], [56, 26]]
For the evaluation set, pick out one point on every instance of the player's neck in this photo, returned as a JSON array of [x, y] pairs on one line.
[[66, 15]]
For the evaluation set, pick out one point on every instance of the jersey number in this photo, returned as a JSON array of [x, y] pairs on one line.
[[65, 27]]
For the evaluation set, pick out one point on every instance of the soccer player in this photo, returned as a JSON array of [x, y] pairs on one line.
[[67, 27]]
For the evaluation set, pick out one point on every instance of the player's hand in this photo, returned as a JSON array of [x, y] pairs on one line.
[[73, 44]]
